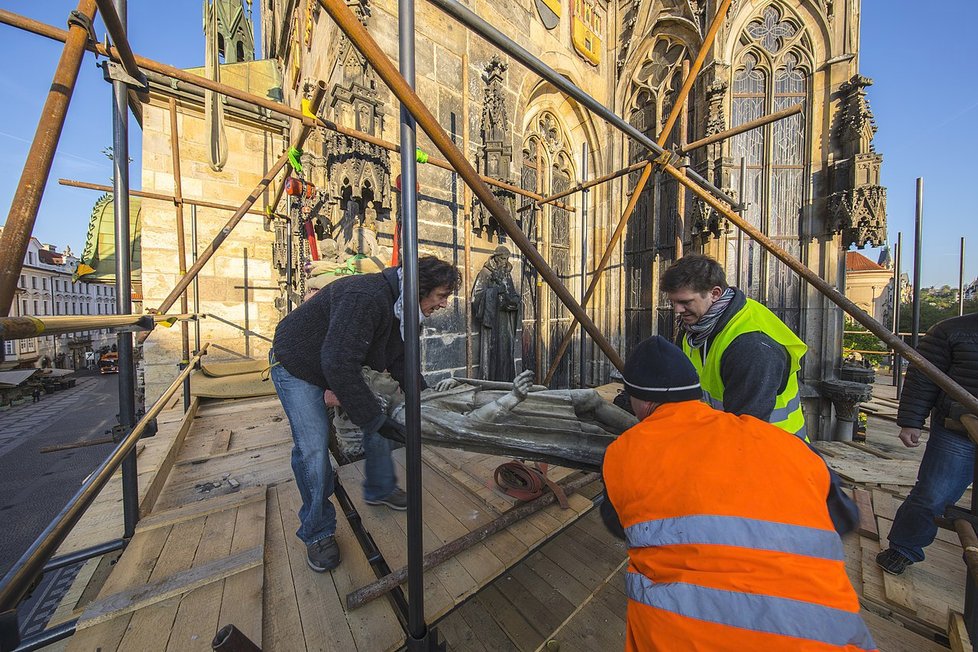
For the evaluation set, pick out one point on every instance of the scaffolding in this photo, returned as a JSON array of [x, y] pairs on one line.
[[128, 72]]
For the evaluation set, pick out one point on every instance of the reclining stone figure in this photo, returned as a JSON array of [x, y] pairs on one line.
[[570, 427]]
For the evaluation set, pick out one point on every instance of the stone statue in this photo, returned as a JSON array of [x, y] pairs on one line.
[[570, 427], [495, 304]]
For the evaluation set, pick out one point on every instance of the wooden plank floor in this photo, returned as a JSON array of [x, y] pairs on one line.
[[235, 459]]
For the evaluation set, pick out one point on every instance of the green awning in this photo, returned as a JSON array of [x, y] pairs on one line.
[[97, 263]]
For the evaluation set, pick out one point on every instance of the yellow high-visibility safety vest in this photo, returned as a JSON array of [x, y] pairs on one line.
[[753, 317]]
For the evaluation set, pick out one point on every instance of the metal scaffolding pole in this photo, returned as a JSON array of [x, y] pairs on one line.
[[181, 246], [159, 196], [747, 126], [917, 263], [897, 297], [27, 198], [123, 281], [471, 20], [961, 281], [417, 634], [358, 35]]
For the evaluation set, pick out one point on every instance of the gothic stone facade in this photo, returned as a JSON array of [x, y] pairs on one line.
[[812, 181]]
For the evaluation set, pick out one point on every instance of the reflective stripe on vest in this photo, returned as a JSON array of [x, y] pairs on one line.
[[751, 611], [754, 317], [736, 531]]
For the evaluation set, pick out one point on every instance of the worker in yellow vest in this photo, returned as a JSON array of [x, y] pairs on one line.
[[732, 528], [746, 358]]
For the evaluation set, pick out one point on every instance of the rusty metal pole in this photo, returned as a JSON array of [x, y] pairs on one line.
[[634, 167], [181, 247], [71, 183], [27, 198], [680, 191], [747, 126], [942, 380]]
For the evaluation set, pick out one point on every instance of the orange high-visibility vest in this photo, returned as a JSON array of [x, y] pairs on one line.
[[730, 541]]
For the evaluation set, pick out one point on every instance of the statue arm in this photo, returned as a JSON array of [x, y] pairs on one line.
[[503, 405]]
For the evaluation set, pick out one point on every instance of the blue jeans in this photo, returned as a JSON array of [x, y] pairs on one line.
[[309, 421], [945, 473]]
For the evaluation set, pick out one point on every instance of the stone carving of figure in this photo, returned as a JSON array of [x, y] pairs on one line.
[[571, 427], [495, 303]]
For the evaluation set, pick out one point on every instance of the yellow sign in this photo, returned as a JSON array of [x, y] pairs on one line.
[[586, 27]]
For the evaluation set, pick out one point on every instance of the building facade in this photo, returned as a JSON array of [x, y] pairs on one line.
[[869, 285], [811, 183], [47, 288]]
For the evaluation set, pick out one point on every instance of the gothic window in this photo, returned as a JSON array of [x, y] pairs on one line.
[[547, 169], [769, 77]]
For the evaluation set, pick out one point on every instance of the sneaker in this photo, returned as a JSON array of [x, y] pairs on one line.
[[323, 555], [396, 499], [892, 561]]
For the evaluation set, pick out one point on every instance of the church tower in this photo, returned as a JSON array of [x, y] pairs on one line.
[[235, 32]]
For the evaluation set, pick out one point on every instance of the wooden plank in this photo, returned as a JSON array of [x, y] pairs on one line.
[[173, 585], [320, 608], [196, 620], [893, 637], [957, 633], [202, 508], [281, 624], [867, 519], [490, 634], [222, 442], [510, 618], [148, 500], [241, 604]]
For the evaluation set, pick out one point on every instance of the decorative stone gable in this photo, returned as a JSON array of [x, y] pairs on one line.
[[495, 154]]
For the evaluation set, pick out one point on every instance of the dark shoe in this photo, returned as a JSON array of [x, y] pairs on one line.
[[892, 562], [323, 555], [396, 499]]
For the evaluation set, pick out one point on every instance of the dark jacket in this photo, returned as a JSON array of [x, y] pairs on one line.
[[752, 357], [951, 346], [347, 325]]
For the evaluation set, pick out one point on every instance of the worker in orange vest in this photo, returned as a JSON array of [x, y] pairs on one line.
[[732, 528]]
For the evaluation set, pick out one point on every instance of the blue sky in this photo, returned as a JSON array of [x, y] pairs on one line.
[[925, 106]]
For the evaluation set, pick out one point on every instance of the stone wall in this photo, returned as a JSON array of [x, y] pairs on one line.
[[238, 325]]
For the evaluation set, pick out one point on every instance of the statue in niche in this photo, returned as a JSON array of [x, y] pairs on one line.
[[571, 427], [495, 303]]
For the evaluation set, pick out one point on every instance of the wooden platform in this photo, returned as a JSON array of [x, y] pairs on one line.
[[218, 545]]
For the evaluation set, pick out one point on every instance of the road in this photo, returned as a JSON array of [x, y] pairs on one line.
[[35, 486]]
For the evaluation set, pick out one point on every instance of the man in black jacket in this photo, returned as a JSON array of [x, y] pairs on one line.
[[318, 353], [948, 464]]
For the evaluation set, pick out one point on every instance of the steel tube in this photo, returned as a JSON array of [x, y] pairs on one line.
[[942, 380], [48, 636], [123, 282], [84, 554], [181, 239], [599, 269], [747, 126], [961, 281], [18, 328], [358, 35], [156, 195], [18, 579], [417, 628], [897, 298], [115, 25], [27, 198], [471, 20], [918, 256], [740, 233], [585, 185], [41, 29], [584, 260]]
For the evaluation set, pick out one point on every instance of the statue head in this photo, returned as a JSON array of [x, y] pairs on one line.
[[384, 387]]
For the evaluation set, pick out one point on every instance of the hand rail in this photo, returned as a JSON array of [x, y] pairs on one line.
[[17, 582]]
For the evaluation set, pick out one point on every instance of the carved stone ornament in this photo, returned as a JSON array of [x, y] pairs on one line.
[[859, 215], [495, 154], [716, 121]]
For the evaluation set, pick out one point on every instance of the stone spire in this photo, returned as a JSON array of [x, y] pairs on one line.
[[235, 31]]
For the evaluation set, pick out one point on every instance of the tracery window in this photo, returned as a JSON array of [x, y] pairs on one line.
[[547, 168], [770, 76]]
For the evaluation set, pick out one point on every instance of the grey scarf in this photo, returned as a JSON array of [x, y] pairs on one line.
[[399, 304], [699, 332]]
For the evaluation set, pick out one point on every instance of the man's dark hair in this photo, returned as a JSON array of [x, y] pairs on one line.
[[696, 272], [434, 272]]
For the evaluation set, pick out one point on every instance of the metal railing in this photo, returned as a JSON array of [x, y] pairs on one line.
[[19, 579]]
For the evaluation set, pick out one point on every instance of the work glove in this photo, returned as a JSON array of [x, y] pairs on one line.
[[393, 430]]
